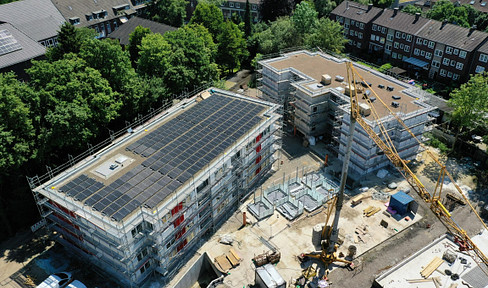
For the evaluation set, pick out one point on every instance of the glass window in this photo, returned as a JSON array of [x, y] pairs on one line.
[[395, 45], [455, 76], [449, 50], [407, 48], [431, 45], [389, 37], [436, 64], [459, 66], [419, 41], [416, 51], [422, 53], [388, 47], [479, 69], [462, 54], [393, 55], [453, 63], [445, 61], [449, 74], [397, 34], [438, 53], [442, 72], [383, 30], [360, 35], [456, 51], [428, 55], [361, 26], [401, 46], [409, 38], [426, 42], [231, 4]]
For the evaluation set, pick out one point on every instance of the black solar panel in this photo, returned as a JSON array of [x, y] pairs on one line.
[[174, 152]]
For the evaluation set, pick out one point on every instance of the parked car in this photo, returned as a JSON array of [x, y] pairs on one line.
[[76, 284], [57, 280]]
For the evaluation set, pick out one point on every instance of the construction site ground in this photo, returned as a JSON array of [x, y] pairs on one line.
[[33, 256]]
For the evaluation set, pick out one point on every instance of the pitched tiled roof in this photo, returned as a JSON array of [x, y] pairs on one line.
[[356, 11], [452, 35], [38, 19], [30, 48], [80, 8], [400, 21], [122, 33]]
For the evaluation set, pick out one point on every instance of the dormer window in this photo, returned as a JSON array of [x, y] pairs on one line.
[[99, 14], [89, 17], [74, 20]]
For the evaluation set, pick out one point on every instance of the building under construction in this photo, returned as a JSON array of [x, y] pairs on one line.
[[144, 203], [313, 89]]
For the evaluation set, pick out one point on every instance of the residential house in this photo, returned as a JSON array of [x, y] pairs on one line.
[[17, 50], [39, 20], [452, 47], [239, 6], [356, 19], [102, 15], [395, 31], [480, 59], [124, 31]]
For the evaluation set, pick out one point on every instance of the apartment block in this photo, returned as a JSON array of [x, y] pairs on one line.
[[143, 204], [316, 87], [434, 49], [239, 7], [104, 16], [356, 20]]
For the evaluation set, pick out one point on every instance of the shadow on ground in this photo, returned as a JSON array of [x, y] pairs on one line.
[[25, 246]]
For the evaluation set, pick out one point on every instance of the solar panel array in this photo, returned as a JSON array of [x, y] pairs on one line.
[[8, 43], [173, 153]]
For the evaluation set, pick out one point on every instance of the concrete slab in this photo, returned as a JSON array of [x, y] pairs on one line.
[[464, 266]]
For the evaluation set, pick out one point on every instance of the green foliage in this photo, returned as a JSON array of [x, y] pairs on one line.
[[210, 16], [17, 133], [232, 46], [281, 34], [470, 102], [70, 40], [446, 10], [304, 17], [327, 35], [73, 103], [135, 39], [436, 143], [171, 12], [324, 7], [271, 10], [385, 67], [184, 58], [382, 3], [411, 9]]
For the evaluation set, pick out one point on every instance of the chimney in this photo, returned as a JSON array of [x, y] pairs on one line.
[[370, 6], [347, 5], [471, 30], [395, 11], [444, 22], [417, 16]]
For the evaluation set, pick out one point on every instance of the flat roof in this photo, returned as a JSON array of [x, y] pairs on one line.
[[315, 65], [154, 164], [406, 272]]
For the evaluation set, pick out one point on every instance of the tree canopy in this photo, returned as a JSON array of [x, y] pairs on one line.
[[304, 17], [17, 141], [209, 16], [183, 58], [135, 39], [170, 12], [232, 46], [327, 35], [411, 9], [73, 103]]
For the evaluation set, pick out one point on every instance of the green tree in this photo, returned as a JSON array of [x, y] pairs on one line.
[[171, 12], [247, 20], [327, 35], [411, 9], [74, 103], [70, 40], [271, 10], [445, 10], [470, 104], [135, 39], [324, 7], [382, 3], [17, 134], [232, 46], [210, 16], [281, 34], [182, 58], [304, 17]]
